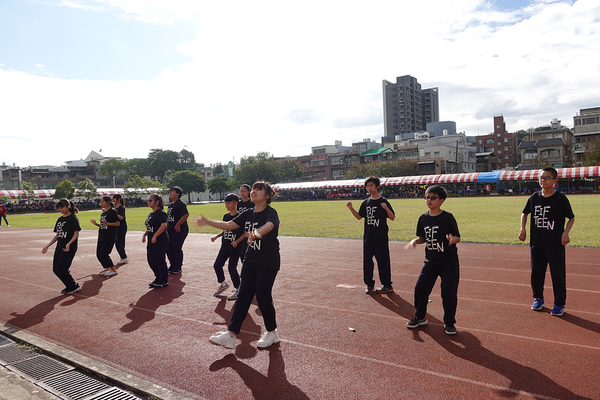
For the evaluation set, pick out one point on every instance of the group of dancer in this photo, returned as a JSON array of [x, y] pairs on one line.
[[250, 233]]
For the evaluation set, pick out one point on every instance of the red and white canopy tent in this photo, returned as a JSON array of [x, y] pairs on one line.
[[49, 193], [528, 175]]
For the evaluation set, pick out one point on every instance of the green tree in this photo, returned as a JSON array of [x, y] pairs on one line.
[[219, 170], [256, 168], [187, 160], [87, 189], [289, 170], [111, 169], [137, 166], [188, 181], [136, 185], [384, 169], [162, 163], [64, 189], [591, 157], [29, 189], [220, 184]]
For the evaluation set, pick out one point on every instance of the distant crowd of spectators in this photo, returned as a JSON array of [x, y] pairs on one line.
[[49, 205]]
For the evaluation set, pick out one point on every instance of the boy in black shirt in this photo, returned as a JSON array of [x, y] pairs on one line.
[[549, 236], [439, 231], [230, 250], [375, 210]]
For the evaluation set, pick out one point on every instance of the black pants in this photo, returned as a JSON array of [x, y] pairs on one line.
[[259, 283], [174, 248], [155, 253], [540, 259], [449, 274], [233, 254], [120, 241], [381, 252], [61, 265], [103, 250], [5, 220]]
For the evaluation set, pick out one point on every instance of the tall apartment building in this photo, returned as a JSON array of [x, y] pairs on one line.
[[501, 143], [586, 129], [407, 108]]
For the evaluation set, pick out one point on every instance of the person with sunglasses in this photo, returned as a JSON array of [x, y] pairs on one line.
[[438, 230], [548, 237]]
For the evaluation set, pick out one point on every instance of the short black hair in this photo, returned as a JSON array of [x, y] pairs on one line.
[[177, 190], [552, 171], [373, 179], [437, 189], [232, 197]]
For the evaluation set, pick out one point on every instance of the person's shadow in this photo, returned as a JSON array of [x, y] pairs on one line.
[[467, 346], [522, 378], [582, 323], [38, 313], [250, 330], [144, 310], [272, 386]]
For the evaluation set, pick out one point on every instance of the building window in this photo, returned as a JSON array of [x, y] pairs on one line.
[[505, 140], [489, 141], [549, 136], [506, 157]]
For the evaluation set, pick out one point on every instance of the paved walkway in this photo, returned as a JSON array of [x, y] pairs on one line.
[[337, 342]]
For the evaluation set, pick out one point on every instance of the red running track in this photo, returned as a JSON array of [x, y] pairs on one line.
[[502, 349]]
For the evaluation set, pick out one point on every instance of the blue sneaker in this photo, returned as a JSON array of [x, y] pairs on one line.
[[537, 304], [557, 310]]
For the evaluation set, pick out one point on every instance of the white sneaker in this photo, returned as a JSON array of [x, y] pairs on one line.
[[223, 339], [108, 272], [268, 339], [222, 287], [234, 295], [123, 261]]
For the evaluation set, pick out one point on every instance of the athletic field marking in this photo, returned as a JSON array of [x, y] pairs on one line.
[[308, 306]]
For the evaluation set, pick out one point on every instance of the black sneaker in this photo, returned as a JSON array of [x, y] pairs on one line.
[[158, 285], [415, 322], [385, 289], [450, 329], [369, 289], [74, 290]]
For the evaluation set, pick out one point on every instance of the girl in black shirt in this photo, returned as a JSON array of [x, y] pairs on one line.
[[158, 239], [109, 223], [122, 230], [67, 232], [259, 269]]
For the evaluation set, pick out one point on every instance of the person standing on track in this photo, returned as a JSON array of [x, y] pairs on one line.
[[259, 269], [158, 239], [375, 210], [439, 231], [67, 232], [107, 233], [549, 209], [122, 230], [177, 229]]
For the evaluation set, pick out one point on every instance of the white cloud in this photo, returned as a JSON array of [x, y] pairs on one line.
[[279, 77]]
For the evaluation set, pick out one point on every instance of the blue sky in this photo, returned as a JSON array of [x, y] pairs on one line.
[[229, 79], [71, 43]]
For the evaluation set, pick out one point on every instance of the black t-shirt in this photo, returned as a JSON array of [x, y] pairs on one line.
[[153, 222], [231, 236], [121, 212], [106, 232], [175, 211], [376, 228], [65, 228], [244, 205], [434, 229], [261, 253], [547, 219]]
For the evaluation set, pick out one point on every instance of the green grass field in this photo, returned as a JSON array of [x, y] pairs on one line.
[[480, 219]]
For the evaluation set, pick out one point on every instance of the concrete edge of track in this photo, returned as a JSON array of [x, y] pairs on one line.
[[92, 367]]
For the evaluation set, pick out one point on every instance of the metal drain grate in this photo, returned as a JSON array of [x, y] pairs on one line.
[[4, 341], [38, 368], [113, 394], [73, 385], [10, 354]]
